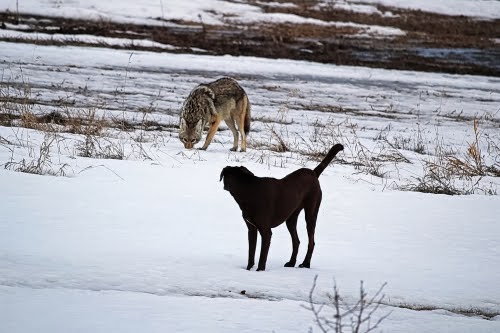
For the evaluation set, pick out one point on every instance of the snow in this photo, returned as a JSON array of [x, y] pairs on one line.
[[155, 244], [128, 11], [82, 38], [357, 8], [218, 11], [105, 311], [160, 239], [487, 9]]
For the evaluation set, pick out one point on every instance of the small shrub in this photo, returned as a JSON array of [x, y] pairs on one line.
[[96, 147], [338, 316]]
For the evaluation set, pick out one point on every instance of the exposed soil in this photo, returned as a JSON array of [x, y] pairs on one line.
[[433, 42]]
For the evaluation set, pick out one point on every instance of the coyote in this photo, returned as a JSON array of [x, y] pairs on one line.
[[209, 104]]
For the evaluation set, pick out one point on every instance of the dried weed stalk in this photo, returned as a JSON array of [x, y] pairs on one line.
[[39, 162], [473, 163], [339, 316]]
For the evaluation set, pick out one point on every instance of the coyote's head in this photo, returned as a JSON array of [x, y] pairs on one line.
[[198, 108], [190, 133]]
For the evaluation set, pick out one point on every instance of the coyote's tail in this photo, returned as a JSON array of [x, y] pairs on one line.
[[329, 157], [246, 126]]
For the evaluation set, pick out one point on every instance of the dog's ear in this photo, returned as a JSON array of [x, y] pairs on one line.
[[222, 174]]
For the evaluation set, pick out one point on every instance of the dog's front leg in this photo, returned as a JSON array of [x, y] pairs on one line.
[[252, 243], [265, 234]]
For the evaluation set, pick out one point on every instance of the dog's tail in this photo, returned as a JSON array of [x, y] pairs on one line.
[[329, 157]]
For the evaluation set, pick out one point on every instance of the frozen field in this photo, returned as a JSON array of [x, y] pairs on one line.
[[136, 233]]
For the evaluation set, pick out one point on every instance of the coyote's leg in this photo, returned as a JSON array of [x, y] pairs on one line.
[[242, 105], [232, 127], [211, 131]]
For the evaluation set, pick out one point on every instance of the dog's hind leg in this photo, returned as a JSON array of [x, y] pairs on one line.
[[265, 234], [291, 224], [252, 243], [311, 213]]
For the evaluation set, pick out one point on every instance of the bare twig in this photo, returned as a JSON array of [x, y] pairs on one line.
[[360, 314]]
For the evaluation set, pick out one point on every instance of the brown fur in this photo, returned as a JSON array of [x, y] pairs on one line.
[[268, 202], [209, 104]]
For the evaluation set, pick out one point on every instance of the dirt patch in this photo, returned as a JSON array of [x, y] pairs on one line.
[[437, 30], [432, 42]]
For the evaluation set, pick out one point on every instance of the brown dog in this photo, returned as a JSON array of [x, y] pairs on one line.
[[267, 202]]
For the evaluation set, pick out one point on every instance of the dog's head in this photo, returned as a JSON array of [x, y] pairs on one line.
[[197, 110], [234, 175]]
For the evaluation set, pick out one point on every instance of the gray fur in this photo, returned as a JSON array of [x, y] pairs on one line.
[[208, 104]]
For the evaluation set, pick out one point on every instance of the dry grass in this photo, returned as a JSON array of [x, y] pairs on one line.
[[84, 122], [90, 124], [473, 162], [448, 174], [39, 161], [366, 160], [101, 135], [281, 146]]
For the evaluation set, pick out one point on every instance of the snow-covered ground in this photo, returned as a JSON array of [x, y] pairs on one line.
[[488, 9], [153, 243], [217, 11], [107, 240], [150, 240]]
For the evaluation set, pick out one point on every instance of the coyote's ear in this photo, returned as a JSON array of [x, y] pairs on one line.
[[209, 92], [182, 125], [199, 126]]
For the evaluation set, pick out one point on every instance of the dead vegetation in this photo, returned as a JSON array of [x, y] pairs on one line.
[[447, 173], [473, 161], [469, 312], [444, 172], [431, 28], [343, 44], [94, 135], [339, 315], [376, 153], [39, 161]]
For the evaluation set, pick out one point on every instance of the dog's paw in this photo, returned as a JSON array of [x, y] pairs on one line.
[[261, 269], [234, 149], [290, 264], [305, 265], [249, 267], [202, 148]]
